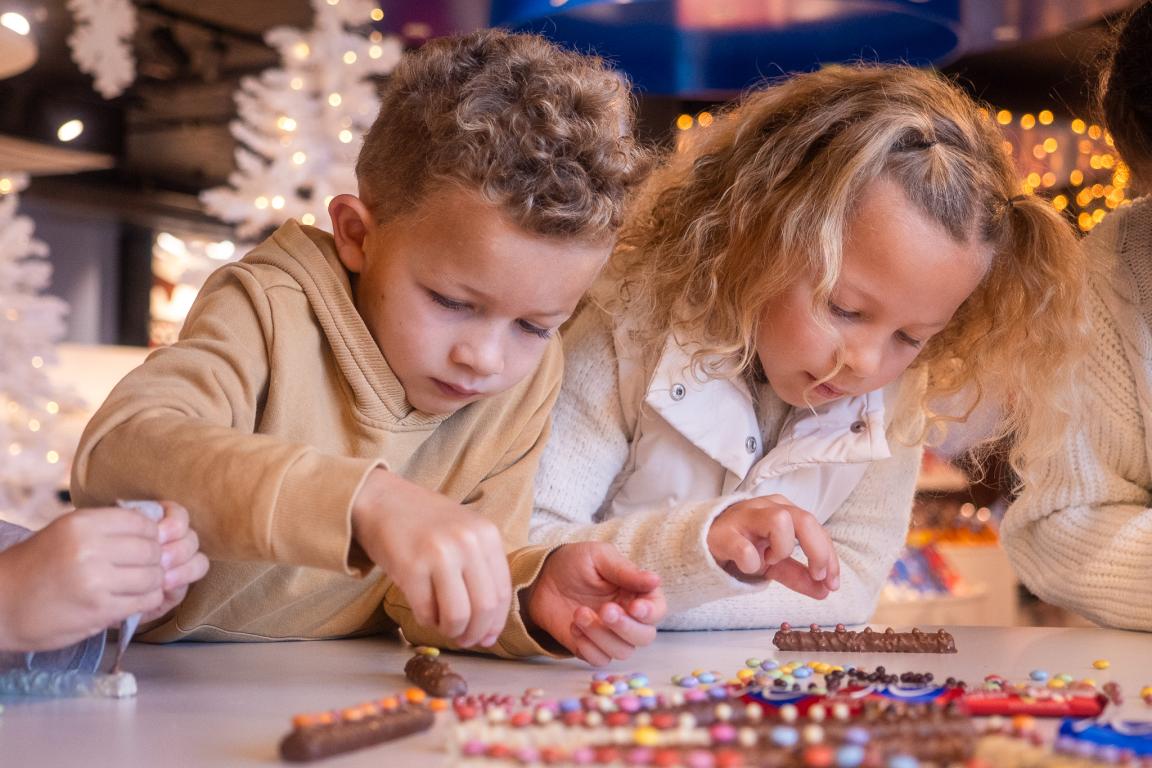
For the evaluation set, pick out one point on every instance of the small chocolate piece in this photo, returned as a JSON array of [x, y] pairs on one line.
[[435, 677], [310, 741], [864, 641]]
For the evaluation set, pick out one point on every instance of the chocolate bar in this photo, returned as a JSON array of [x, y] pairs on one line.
[[435, 677], [314, 737], [864, 641]]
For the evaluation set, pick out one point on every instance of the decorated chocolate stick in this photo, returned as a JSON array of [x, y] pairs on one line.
[[316, 736], [435, 677], [865, 641]]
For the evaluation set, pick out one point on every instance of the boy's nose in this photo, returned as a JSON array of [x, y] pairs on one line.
[[482, 354]]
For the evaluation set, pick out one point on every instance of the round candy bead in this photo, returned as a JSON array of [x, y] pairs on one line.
[[1067, 678], [527, 755], [570, 705], [604, 689], [1101, 664], [819, 756], [722, 733], [753, 662], [768, 665], [699, 758], [691, 681], [813, 734], [850, 756], [718, 692], [784, 736], [473, 748], [745, 674], [706, 677], [857, 735], [789, 713], [646, 737], [628, 703], [583, 756], [415, 695], [802, 672], [600, 677], [903, 761], [426, 650], [1039, 675], [638, 681]]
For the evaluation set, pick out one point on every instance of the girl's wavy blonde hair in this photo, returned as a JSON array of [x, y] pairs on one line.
[[763, 199]]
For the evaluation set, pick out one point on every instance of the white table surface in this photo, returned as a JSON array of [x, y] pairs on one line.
[[230, 704]]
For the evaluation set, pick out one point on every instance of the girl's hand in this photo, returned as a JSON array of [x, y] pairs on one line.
[[755, 538]]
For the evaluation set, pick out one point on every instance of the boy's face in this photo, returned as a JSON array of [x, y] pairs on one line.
[[902, 279], [461, 302]]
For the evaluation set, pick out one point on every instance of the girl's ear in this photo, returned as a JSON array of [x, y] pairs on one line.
[[351, 223]]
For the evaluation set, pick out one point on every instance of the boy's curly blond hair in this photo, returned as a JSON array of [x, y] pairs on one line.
[[763, 198], [543, 133]]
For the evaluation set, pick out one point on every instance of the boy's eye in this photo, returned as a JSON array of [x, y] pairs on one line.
[[446, 302], [535, 330], [839, 311], [909, 340]]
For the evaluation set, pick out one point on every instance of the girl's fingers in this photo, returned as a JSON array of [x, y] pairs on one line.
[[634, 633], [816, 545], [729, 545], [796, 577]]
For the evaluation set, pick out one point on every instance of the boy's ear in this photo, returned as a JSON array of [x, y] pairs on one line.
[[351, 223]]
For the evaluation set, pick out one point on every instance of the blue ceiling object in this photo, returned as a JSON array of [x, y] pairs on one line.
[[710, 48]]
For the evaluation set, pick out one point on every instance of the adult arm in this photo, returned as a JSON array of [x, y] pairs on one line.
[[1080, 535]]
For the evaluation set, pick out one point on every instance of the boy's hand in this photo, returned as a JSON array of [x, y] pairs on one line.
[[595, 602], [85, 572], [180, 557], [755, 537], [447, 560]]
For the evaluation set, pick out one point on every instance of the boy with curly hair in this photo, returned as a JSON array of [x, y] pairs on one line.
[[378, 398]]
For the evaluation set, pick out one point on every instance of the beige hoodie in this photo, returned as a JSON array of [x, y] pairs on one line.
[[264, 420]]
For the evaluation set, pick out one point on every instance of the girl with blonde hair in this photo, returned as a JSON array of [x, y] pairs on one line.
[[746, 396]]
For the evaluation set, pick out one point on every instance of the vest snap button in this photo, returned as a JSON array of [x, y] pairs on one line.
[[678, 391], [750, 444], [858, 427]]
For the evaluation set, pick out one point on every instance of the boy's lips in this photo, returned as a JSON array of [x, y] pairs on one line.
[[451, 390]]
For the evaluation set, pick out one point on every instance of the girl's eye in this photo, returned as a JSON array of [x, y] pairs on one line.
[[909, 340], [447, 303], [839, 311], [535, 330]]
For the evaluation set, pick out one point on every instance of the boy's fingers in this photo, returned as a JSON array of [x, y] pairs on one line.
[[586, 649], [485, 607], [814, 541], [619, 571], [453, 607], [174, 524], [630, 631], [180, 550], [115, 521], [796, 577], [418, 589]]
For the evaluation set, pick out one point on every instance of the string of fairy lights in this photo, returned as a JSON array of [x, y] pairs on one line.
[[1070, 162]]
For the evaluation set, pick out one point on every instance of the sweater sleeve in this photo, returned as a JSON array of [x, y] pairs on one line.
[[585, 459], [868, 531], [181, 427], [1080, 536]]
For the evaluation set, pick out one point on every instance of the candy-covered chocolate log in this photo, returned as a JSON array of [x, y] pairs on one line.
[[435, 677], [318, 736], [864, 641]]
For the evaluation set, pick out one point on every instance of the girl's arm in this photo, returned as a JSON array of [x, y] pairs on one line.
[[867, 531], [1080, 536]]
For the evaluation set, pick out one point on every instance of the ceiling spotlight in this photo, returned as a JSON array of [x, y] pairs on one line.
[[70, 130], [15, 22]]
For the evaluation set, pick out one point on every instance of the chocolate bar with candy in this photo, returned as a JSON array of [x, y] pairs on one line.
[[435, 677]]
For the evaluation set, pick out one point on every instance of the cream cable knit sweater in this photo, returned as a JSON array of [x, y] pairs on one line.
[[588, 449], [1081, 537]]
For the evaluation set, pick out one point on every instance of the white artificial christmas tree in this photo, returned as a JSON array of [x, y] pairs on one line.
[[300, 126], [32, 462]]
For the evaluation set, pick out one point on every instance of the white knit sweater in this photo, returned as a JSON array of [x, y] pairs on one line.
[[588, 449], [1081, 536]]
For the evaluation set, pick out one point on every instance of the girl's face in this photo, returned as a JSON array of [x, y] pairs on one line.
[[902, 279]]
